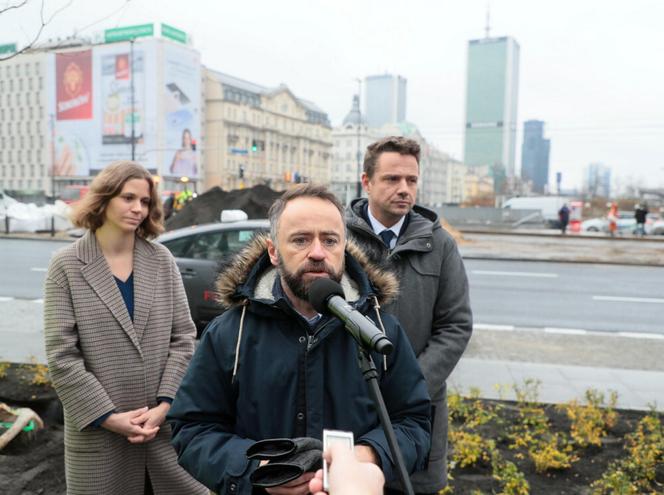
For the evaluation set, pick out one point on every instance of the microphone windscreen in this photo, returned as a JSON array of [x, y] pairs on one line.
[[321, 290]]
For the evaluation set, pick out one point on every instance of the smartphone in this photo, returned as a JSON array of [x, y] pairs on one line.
[[335, 436]]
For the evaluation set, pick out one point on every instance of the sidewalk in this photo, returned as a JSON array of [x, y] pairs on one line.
[[566, 365], [569, 249]]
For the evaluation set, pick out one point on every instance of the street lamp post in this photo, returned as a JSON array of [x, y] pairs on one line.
[[131, 89], [52, 125], [359, 124]]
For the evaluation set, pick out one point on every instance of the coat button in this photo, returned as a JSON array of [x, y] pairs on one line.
[[300, 416], [232, 487], [428, 245], [302, 339]]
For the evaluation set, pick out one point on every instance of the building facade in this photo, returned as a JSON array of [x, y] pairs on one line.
[[491, 105], [69, 109], [25, 161], [350, 140], [535, 156], [597, 180], [260, 135], [385, 100]]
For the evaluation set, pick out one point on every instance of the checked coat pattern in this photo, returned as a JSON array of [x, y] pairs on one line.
[[101, 361]]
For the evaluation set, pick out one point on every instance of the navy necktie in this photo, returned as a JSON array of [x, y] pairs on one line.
[[387, 236]]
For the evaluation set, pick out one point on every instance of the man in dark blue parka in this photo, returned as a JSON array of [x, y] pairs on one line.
[[272, 367]]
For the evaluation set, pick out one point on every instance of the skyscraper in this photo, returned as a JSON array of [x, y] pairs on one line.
[[597, 180], [535, 155], [491, 104], [385, 99]]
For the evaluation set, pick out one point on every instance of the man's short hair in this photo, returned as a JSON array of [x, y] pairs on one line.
[[399, 144], [306, 190]]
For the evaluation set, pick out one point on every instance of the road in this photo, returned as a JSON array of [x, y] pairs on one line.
[[567, 297], [552, 297]]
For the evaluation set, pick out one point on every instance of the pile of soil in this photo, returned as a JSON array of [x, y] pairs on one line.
[[207, 207]]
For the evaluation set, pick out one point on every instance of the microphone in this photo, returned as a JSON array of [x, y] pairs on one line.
[[326, 295]]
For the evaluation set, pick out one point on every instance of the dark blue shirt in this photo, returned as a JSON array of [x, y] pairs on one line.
[[127, 291]]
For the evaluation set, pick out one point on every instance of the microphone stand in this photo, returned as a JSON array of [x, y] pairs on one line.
[[371, 377]]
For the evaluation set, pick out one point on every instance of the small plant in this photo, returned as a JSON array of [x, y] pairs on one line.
[[646, 446], [636, 473], [41, 376], [37, 374], [552, 454], [591, 421], [512, 480], [470, 448], [4, 366]]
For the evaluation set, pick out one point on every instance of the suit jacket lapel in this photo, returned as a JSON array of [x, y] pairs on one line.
[[146, 268], [98, 275]]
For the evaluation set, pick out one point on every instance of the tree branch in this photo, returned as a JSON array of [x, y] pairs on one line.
[[39, 31], [17, 6]]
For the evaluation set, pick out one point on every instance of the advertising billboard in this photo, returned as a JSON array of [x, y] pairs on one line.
[[73, 95], [181, 104], [74, 85], [98, 95]]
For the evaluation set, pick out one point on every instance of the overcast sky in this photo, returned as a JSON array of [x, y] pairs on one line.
[[591, 69]]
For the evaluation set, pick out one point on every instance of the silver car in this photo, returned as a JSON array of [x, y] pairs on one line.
[[199, 252]]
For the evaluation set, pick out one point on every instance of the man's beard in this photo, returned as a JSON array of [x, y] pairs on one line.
[[296, 282]]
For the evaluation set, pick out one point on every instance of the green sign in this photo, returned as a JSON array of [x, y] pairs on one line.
[[128, 33], [9, 48], [173, 33]]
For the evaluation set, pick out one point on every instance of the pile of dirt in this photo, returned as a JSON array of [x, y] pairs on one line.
[[207, 207]]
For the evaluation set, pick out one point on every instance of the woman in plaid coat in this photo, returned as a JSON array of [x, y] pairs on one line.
[[118, 340]]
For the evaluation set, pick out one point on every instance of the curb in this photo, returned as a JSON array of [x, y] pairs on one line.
[[567, 331], [650, 238], [549, 260]]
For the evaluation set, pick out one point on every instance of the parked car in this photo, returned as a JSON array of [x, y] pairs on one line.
[[626, 224], [656, 227], [199, 252]]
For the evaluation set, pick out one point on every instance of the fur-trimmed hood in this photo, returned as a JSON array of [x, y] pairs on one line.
[[234, 287]]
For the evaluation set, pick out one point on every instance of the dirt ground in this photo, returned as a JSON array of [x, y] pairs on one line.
[[35, 465], [591, 465]]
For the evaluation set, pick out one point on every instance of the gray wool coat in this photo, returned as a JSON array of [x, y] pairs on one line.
[[101, 361], [433, 307]]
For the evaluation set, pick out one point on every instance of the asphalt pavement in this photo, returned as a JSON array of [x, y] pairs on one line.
[[566, 362]]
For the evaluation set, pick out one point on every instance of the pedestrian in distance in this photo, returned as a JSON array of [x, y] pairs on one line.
[[272, 367], [118, 338], [169, 206], [612, 216], [640, 215], [563, 217], [433, 303]]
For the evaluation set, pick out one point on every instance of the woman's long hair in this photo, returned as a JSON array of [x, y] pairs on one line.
[[89, 213]]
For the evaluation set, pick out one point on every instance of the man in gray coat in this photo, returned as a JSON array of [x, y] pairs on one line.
[[433, 303]]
